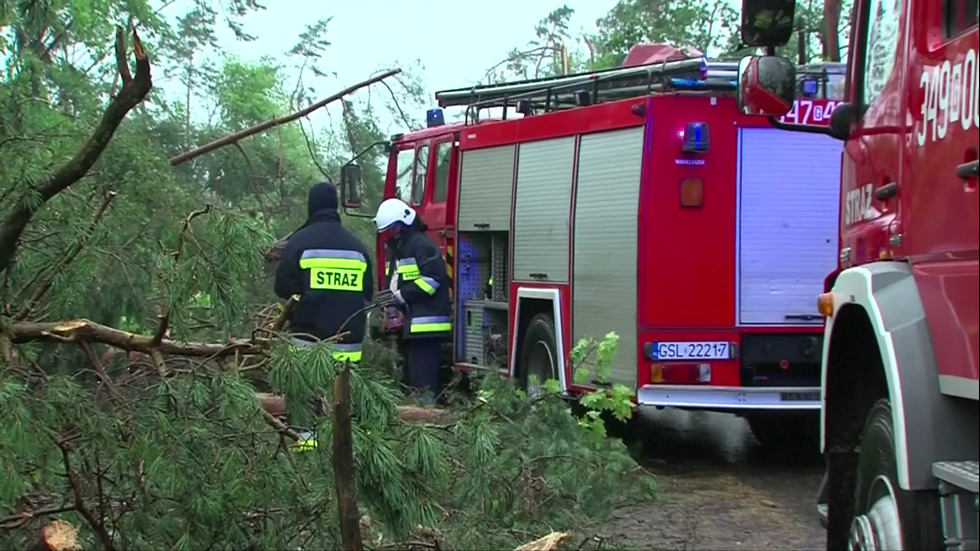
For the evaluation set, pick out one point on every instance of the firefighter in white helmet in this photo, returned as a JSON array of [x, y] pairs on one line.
[[417, 278]]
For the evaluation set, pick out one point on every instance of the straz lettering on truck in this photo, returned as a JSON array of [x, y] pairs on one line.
[[949, 99], [857, 205], [810, 112]]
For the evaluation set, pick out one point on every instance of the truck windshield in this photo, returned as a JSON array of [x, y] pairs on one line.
[[821, 81]]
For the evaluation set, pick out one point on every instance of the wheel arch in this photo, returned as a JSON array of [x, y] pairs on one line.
[[531, 302], [877, 344]]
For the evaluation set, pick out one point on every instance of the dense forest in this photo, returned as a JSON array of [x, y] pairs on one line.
[[138, 320]]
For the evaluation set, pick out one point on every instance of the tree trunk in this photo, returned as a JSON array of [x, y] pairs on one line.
[[831, 43], [343, 464]]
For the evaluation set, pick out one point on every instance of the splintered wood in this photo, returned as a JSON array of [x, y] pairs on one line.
[[58, 535], [551, 542]]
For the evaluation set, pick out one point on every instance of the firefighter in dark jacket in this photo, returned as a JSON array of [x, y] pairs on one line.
[[419, 286], [330, 270]]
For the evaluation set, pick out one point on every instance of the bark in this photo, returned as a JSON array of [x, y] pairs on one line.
[[343, 464], [831, 15], [252, 130], [275, 405], [83, 330], [134, 90]]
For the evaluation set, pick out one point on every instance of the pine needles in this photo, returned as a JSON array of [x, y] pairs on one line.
[[188, 463]]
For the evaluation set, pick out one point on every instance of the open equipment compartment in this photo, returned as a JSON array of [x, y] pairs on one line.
[[482, 302]]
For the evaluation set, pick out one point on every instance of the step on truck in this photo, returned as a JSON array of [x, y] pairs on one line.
[[636, 200], [899, 379]]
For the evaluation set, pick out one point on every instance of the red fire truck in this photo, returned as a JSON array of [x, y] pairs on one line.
[[636, 200], [900, 354]]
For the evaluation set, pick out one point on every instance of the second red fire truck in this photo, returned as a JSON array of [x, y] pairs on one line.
[[900, 384], [637, 200]]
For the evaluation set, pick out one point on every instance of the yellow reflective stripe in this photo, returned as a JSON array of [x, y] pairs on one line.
[[304, 445], [426, 287], [347, 356], [334, 263], [431, 327]]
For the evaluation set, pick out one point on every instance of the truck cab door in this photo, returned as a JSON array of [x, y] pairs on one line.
[[871, 170], [939, 191]]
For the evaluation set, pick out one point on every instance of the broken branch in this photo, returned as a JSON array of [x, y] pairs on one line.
[[80, 330], [233, 138], [132, 93]]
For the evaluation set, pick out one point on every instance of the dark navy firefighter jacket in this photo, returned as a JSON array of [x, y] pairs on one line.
[[331, 271], [422, 282]]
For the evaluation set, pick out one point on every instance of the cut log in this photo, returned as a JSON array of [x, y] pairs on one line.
[[276, 405], [57, 535], [551, 542]]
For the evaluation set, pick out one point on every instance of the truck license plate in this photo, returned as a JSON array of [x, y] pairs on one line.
[[709, 350]]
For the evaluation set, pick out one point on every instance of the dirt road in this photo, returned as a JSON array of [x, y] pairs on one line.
[[720, 490]]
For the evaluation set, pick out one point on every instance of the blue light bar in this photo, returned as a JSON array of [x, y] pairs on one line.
[[810, 87], [714, 84], [696, 138], [434, 117]]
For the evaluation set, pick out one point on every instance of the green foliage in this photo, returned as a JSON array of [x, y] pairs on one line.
[[186, 462], [144, 454], [592, 359], [711, 26]]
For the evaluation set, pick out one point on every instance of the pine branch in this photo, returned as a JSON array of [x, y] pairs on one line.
[[83, 330], [164, 317], [97, 524], [45, 285], [134, 90], [261, 127]]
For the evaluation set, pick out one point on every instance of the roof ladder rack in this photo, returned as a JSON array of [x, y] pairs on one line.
[[567, 91]]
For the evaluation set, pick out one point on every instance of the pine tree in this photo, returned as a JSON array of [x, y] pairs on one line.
[[137, 326]]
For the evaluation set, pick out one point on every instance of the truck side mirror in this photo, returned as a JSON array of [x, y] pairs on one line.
[[766, 85], [350, 185], [767, 23]]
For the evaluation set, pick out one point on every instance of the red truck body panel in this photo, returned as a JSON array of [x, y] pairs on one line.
[[686, 259], [922, 124]]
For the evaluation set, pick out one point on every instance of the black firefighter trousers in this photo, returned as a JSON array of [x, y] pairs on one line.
[[421, 368]]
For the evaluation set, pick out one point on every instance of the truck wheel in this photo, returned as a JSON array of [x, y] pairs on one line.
[[885, 516], [539, 354]]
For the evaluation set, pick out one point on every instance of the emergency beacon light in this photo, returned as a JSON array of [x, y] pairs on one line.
[[696, 138], [434, 117]]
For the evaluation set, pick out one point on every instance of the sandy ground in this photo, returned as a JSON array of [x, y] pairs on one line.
[[720, 489]]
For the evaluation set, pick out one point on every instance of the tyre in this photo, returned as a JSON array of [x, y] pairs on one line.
[[885, 516], [539, 354]]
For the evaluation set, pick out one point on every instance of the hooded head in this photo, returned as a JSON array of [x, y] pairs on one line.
[[322, 197]]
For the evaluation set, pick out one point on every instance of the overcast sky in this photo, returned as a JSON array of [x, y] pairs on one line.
[[456, 41]]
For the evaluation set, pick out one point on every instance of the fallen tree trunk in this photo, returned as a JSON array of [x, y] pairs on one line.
[[275, 405]]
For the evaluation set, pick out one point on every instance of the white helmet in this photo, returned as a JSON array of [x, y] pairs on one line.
[[391, 211]]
